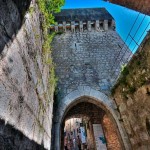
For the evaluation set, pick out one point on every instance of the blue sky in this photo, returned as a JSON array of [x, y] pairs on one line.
[[124, 18]]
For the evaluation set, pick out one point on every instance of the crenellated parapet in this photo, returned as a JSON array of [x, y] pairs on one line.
[[83, 19], [81, 26]]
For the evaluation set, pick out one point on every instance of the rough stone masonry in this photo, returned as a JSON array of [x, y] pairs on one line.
[[88, 53], [26, 102], [88, 58]]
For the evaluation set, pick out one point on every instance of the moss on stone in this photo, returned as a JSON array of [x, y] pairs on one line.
[[137, 72]]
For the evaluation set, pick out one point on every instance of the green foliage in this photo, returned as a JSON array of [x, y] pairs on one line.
[[125, 95], [124, 71], [136, 74], [138, 63], [31, 10], [52, 79], [37, 36], [47, 9], [123, 80], [59, 32], [142, 80], [132, 89], [46, 46], [53, 6]]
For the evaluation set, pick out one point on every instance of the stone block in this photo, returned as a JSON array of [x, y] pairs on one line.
[[97, 25], [104, 87], [122, 107], [143, 136], [72, 26], [87, 90], [127, 124], [105, 25], [130, 101], [56, 28], [81, 26], [89, 25], [64, 26]]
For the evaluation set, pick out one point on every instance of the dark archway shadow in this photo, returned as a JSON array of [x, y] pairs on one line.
[[12, 14], [13, 139]]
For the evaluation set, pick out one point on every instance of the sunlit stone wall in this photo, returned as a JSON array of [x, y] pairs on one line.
[[26, 99]]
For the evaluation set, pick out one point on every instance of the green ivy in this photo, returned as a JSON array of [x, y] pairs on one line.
[[47, 9]]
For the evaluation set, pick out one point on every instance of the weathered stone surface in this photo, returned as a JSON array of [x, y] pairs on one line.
[[87, 59], [142, 6], [122, 107], [25, 100], [87, 66], [111, 134], [130, 101], [136, 112]]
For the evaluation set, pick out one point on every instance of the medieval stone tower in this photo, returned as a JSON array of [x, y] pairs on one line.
[[87, 55], [84, 52]]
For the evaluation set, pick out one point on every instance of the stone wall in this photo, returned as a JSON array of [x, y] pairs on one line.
[[138, 5], [87, 64], [11, 18], [111, 134], [89, 58], [26, 98], [12, 139], [132, 95]]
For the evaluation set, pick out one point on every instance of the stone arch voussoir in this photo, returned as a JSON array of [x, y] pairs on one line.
[[96, 96], [85, 91]]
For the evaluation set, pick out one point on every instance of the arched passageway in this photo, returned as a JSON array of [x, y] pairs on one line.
[[92, 118], [97, 108]]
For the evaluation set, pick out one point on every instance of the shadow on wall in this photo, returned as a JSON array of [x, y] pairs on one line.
[[12, 139], [12, 14]]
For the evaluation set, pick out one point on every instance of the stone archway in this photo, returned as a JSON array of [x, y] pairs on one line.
[[94, 97], [91, 115]]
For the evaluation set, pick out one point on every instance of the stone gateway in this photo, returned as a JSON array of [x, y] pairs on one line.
[[84, 50]]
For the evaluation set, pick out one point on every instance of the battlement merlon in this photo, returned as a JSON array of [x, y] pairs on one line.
[[83, 19]]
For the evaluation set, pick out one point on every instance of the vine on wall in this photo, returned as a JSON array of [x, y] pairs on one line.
[[137, 73], [48, 8]]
